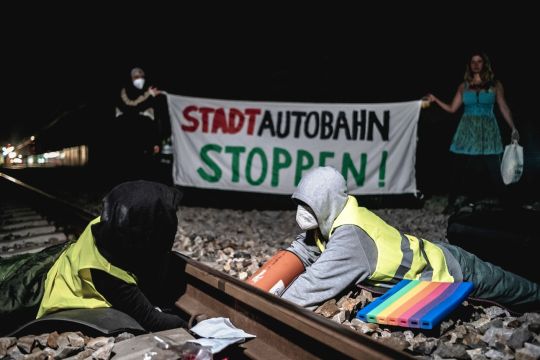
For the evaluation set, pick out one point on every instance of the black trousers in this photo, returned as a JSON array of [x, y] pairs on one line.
[[475, 176]]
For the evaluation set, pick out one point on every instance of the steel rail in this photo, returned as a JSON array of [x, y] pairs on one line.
[[66, 213], [284, 330]]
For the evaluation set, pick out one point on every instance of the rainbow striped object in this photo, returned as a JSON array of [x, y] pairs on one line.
[[416, 303]]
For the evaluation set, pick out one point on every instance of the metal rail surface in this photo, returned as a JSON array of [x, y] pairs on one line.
[[68, 214], [283, 330]]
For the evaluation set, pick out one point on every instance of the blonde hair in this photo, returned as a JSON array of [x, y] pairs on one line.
[[487, 75]]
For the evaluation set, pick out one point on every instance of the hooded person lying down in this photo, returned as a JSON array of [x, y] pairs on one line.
[[344, 244], [119, 260]]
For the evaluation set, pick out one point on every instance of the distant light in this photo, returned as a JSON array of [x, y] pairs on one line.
[[12, 154], [8, 150], [32, 138], [52, 154]]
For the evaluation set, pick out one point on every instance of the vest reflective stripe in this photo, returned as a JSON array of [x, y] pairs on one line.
[[320, 244], [69, 282], [437, 262], [399, 256], [407, 259]]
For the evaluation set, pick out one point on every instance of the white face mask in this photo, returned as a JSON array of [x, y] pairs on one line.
[[138, 83], [305, 219]]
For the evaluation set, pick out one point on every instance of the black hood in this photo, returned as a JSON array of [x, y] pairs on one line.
[[138, 224]]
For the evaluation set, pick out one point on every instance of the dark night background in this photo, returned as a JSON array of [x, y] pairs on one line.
[[75, 64]]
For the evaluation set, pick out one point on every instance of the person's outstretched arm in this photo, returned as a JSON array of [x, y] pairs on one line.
[[343, 263], [456, 102], [505, 110], [131, 300]]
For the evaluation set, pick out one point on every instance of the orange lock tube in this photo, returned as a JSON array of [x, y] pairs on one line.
[[277, 273]]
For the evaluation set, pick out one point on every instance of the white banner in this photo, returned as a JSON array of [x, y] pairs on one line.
[[267, 146]]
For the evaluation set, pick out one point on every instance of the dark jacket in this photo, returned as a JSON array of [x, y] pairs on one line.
[[134, 101]]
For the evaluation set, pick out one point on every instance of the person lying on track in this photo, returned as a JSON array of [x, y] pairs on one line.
[[344, 244]]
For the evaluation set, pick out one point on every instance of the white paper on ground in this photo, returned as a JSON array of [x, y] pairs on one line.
[[218, 333], [219, 328]]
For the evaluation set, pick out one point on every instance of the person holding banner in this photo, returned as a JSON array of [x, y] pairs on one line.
[[136, 104], [477, 140], [344, 244], [140, 119]]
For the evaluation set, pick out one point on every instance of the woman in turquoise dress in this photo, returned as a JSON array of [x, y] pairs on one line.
[[477, 145]]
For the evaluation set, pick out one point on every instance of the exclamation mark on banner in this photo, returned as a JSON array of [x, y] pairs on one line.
[[382, 168]]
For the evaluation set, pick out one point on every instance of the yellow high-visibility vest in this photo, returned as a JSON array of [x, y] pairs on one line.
[[399, 256], [69, 282]]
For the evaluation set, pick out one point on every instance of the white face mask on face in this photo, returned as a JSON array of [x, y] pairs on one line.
[[305, 219], [138, 83]]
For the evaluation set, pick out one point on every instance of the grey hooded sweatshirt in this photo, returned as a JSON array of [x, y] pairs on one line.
[[350, 256]]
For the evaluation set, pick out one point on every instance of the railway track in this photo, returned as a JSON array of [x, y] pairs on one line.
[[31, 220], [283, 330]]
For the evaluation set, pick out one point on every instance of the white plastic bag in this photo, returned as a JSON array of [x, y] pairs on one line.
[[512, 163]]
